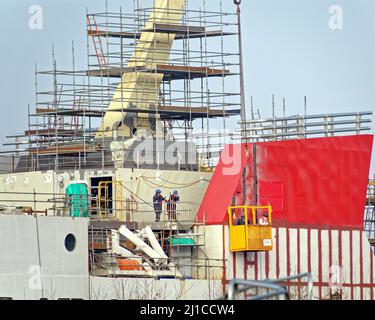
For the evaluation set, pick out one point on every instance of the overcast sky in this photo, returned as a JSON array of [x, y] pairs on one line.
[[289, 50]]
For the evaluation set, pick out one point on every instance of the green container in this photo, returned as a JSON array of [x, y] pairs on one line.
[[182, 242], [78, 200]]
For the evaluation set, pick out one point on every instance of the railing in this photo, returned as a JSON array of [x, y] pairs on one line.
[[181, 210], [99, 239], [100, 158], [123, 209], [267, 289], [58, 205], [30, 203], [248, 212], [136, 209], [302, 127]]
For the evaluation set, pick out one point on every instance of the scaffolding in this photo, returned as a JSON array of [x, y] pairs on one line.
[[196, 73]]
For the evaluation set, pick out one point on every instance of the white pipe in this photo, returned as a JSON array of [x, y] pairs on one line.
[[117, 249], [151, 253], [155, 243]]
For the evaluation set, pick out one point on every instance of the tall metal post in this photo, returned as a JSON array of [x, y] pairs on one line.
[[242, 82], [243, 110]]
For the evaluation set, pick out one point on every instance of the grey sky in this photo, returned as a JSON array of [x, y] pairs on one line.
[[288, 46]]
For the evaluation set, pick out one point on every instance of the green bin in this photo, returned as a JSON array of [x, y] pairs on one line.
[[78, 200]]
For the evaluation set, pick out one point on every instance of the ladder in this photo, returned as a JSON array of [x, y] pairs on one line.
[[96, 38], [111, 208]]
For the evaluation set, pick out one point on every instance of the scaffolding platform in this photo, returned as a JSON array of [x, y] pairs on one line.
[[170, 72], [70, 112], [52, 133], [180, 31], [63, 149], [136, 36], [165, 113]]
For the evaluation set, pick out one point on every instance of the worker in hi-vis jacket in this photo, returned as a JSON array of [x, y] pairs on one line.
[[263, 221], [172, 205], [158, 204]]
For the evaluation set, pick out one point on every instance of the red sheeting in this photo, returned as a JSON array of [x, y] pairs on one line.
[[319, 182]]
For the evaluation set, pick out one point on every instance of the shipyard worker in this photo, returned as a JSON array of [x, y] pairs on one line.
[[158, 204], [240, 221], [172, 205], [263, 221]]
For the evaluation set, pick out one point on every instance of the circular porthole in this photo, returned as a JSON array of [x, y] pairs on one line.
[[70, 242]]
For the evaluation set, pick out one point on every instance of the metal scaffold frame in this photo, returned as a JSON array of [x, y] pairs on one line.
[[193, 92]]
